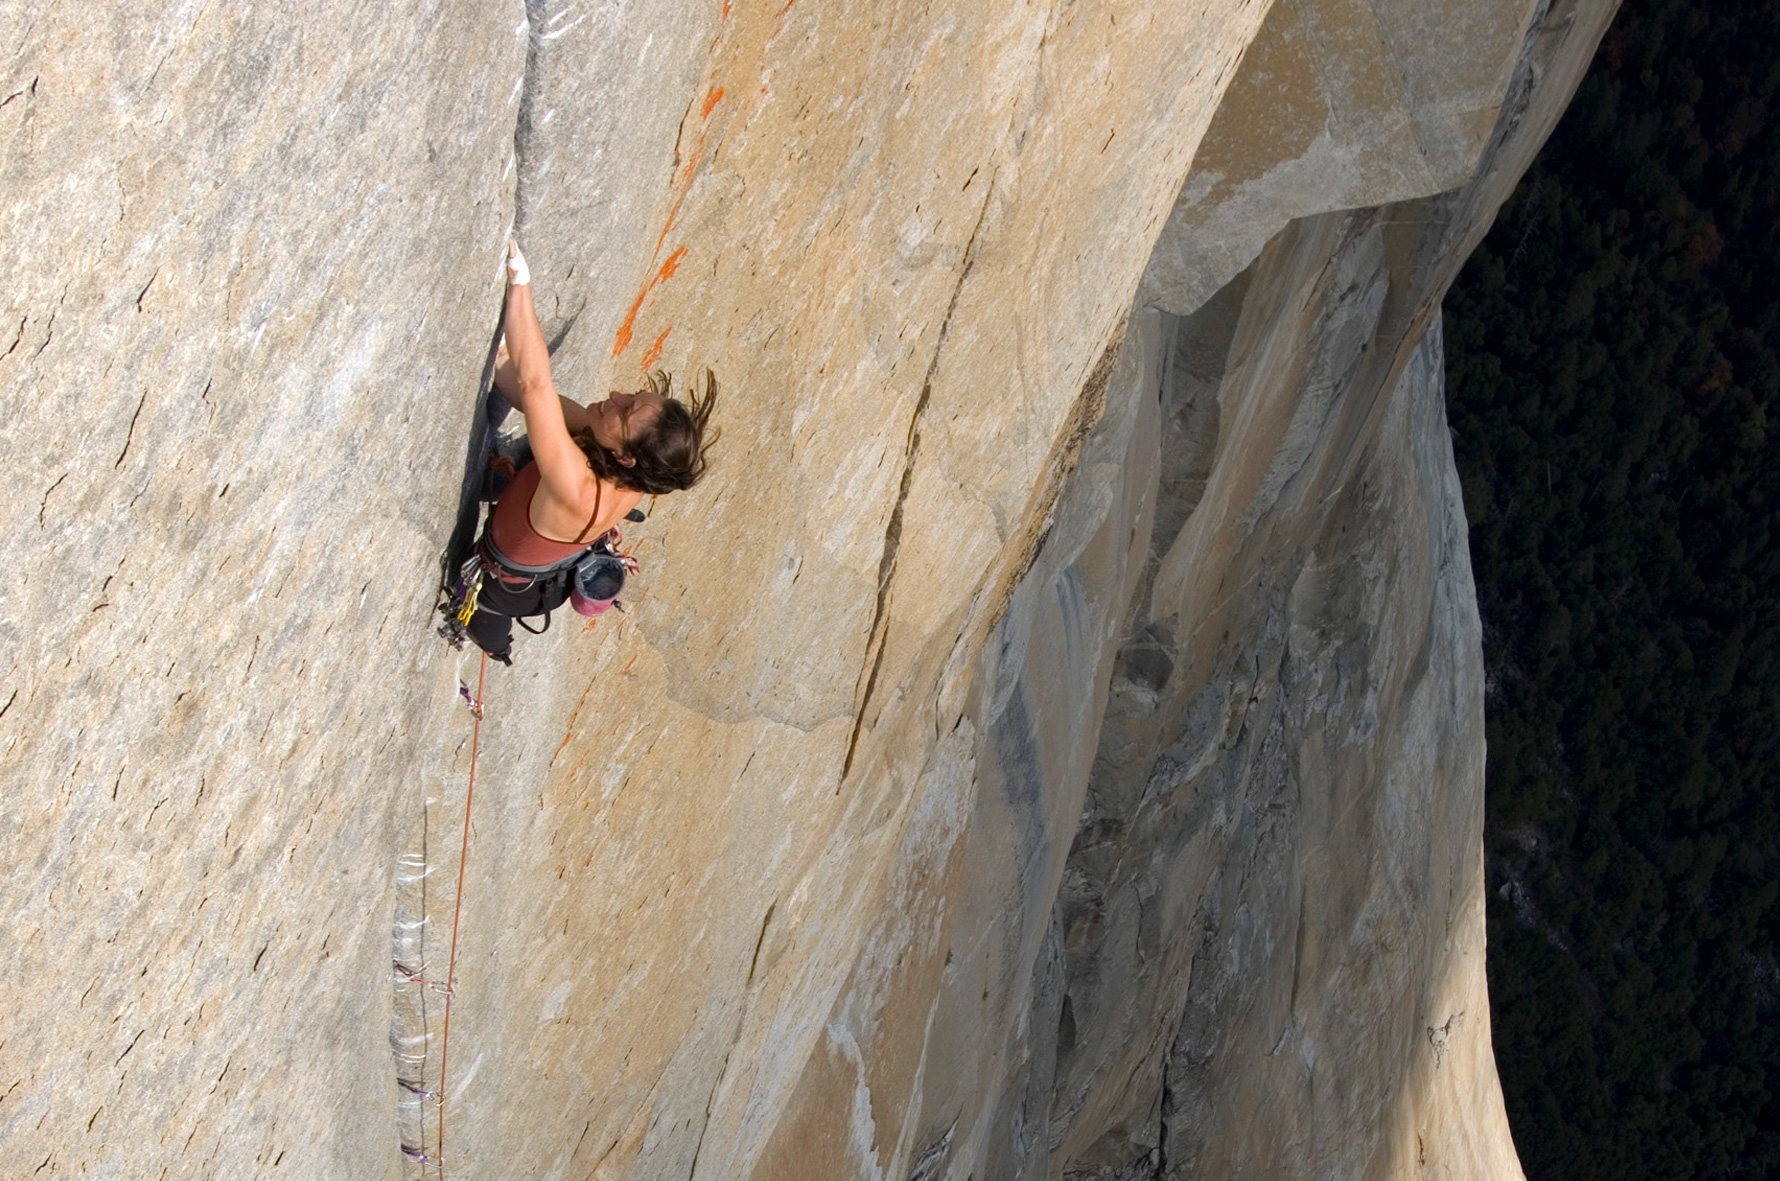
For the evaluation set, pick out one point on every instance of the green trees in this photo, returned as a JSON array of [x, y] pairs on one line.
[[1615, 392]]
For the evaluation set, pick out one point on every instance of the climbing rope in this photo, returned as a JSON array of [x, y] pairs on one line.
[[457, 913], [470, 586]]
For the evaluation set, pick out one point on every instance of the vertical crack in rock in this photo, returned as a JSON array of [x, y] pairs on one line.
[[880, 622], [1164, 1109], [759, 942], [735, 1038], [711, 1097], [537, 17], [1066, 453], [16, 337], [481, 446], [874, 649], [130, 435], [43, 505], [410, 1034]]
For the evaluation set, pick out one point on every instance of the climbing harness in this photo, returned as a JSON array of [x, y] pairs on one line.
[[591, 579]]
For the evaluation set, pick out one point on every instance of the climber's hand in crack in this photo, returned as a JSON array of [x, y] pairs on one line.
[[506, 373], [518, 274]]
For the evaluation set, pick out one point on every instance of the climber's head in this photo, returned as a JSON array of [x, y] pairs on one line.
[[650, 441]]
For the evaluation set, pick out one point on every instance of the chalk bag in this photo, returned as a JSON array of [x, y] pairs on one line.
[[597, 582]]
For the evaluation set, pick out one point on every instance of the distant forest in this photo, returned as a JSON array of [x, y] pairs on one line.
[[1614, 391]]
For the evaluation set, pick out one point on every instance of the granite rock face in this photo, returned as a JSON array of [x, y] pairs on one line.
[[247, 281], [1049, 744]]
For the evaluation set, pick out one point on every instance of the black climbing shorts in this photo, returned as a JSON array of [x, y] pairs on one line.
[[500, 603]]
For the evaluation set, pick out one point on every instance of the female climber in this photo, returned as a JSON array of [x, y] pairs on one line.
[[590, 466]]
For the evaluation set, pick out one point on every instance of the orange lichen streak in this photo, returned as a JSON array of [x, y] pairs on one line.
[[661, 276], [653, 354], [739, 49], [683, 178]]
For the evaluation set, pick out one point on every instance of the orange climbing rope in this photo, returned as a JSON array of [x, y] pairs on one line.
[[457, 913]]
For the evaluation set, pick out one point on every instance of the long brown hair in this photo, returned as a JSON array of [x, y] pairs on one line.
[[668, 455]]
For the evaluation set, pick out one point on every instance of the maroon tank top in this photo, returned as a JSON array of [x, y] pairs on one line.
[[511, 526]]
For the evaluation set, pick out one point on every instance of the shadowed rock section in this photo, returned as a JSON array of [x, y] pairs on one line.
[[1047, 746]]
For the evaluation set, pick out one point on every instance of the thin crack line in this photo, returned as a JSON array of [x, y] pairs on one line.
[[893, 530], [131, 434]]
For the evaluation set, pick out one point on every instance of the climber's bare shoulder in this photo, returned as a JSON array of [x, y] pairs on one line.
[[601, 507]]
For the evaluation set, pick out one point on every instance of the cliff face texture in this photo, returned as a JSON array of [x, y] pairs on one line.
[[1049, 745]]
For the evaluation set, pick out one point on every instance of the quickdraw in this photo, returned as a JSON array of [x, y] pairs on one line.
[[417, 976], [470, 578]]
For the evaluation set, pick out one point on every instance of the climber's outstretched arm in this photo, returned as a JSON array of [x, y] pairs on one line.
[[506, 380], [528, 387], [562, 467]]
